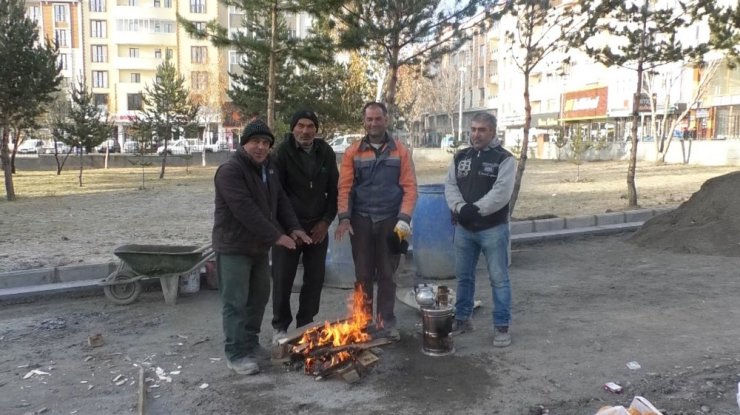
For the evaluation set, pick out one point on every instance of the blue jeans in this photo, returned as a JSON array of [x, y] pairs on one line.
[[494, 242]]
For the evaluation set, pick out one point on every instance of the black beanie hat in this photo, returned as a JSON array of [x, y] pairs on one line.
[[256, 128], [307, 114]]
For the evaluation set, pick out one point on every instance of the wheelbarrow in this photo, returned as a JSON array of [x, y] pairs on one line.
[[146, 262]]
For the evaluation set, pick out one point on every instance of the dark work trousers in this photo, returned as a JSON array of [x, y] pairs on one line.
[[244, 285], [374, 262], [284, 266]]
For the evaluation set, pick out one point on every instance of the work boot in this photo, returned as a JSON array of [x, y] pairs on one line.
[[462, 326], [278, 335], [243, 365], [501, 336]]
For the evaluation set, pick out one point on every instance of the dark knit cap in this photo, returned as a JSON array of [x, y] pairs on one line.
[[307, 114], [256, 128]]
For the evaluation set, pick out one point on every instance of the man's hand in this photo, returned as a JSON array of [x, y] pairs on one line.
[[319, 231], [402, 229], [286, 242], [300, 237], [344, 226], [468, 214]]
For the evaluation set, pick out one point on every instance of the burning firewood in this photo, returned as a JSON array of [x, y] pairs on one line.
[[338, 348]]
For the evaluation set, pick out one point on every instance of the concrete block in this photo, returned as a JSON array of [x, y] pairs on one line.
[[24, 278], [71, 273], [49, 289], [660, 211], [585, 221], [611, 218], [638, 215], [520, 227], [545, 225]]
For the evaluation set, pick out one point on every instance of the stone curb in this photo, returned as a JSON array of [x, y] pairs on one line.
[[36, 282]]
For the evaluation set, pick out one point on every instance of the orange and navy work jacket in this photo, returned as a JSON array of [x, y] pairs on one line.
[[378, 183]]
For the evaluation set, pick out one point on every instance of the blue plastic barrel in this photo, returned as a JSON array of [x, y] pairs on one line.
[[433, 233]]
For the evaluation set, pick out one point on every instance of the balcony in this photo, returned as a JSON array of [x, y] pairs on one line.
[[143, 12], [136, 63], [144, 38]]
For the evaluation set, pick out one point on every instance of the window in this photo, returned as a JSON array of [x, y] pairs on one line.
[[197, 6], [100, 100], [61, 37], [134, 102], [157, 3], [99, 53], [64, 61], [198, 54], [97, 5], [482, 51], [60, 12], [98, 29], [199, 26], [169, 53], [199, 80], [168, 4], [135, 78], [34, 13], [481, 94], [157, 53], [132, 2], [481, 72], [100, 79], [133, 52]]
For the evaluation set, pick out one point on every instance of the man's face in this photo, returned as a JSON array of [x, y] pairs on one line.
[[304, 132], [375, 122], [258, 148], [481, 135]]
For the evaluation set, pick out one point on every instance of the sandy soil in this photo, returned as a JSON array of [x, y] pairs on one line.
[[85, 228], [582, 311]]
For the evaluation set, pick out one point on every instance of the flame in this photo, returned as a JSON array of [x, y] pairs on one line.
[[340, 333]]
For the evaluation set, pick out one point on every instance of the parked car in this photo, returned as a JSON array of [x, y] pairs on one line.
[[112, 146], [31, 146], [177, 147], [61, 148], [340, 143], [131, 146]]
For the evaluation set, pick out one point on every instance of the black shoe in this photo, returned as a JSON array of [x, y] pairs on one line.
[[462, 326]]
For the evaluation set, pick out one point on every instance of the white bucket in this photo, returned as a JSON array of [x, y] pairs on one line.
[[190, 282]]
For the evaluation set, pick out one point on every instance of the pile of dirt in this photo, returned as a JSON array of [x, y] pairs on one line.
[[708, 223]]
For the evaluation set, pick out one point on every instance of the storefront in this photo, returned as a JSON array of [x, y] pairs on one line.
[[727, 122], [586, 111]]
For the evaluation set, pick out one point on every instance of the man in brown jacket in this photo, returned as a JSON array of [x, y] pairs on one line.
[[252, 214]]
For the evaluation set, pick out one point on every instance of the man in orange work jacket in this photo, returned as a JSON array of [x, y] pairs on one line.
[[377, 195]]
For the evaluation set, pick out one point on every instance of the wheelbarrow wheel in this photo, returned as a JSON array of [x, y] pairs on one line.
[[122, 293]]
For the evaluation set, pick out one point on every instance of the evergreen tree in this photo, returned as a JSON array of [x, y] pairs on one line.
[[400, 32], [640, 36], [29, 74], [270, 54], [86, 125], [167, 108]]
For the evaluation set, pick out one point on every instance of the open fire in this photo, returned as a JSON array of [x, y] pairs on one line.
[[340, 347]]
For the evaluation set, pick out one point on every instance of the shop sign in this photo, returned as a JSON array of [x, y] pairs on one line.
[[545, 120], [588, 103]]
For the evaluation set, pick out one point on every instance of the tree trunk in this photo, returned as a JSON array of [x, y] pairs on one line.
[[271, 76], [391, 90], [81, 163], [525, 145], [5, 161], [631, 188], [15, 150], [164, 159]]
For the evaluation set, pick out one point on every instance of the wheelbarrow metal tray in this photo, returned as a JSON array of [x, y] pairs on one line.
[[157, 260]]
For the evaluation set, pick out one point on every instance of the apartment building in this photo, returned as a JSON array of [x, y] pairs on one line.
[[61, 21]]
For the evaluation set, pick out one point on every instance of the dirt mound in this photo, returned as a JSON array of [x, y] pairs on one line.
[[708, 223]]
